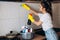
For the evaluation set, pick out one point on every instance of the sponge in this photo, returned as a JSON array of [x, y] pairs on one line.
[[25, 6]]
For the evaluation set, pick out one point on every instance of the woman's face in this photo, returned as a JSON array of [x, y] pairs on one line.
[[41, 8]]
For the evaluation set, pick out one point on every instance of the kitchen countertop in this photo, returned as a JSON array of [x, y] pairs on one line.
[[37, 37]]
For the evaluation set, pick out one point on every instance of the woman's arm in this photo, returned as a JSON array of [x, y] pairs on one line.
[[33, 20], [38, 23], [34, 12], [27, 7]]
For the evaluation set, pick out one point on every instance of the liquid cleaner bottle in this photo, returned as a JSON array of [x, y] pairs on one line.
[[29, 22], [29, 26]]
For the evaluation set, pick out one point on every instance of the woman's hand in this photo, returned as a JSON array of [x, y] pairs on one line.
[[30, 17]]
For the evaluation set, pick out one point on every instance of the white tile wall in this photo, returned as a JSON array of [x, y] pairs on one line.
[[13, 16]]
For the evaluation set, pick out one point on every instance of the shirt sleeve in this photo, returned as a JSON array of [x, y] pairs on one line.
[[40, 16]]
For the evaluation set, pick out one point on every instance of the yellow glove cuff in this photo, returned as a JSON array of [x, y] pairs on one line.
[[25, 6]]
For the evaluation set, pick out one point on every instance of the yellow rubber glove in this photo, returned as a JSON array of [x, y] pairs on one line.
[[30, 17], [25, 6]]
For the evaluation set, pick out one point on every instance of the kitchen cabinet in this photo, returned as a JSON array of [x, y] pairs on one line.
[[56, 14]]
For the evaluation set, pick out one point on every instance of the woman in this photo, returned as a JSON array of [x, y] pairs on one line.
[[45, 21]]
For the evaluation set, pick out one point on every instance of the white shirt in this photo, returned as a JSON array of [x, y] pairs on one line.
[[46, 19]]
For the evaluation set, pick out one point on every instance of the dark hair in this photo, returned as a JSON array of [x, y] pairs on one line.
[[46, 6]]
